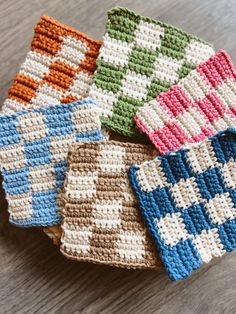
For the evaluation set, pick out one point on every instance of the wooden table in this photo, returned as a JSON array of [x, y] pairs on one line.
[[34, 276]]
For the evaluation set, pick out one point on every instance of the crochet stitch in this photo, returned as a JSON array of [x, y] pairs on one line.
[[101, 221], [199, 106], [188, 201], [139, 58], [58, 68], [33, 149]]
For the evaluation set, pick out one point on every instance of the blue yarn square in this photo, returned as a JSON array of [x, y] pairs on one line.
[[166, 204], [191, 229], [9, 131], [38, 152], [60, 174], [39, 156], [89, 136], [13, 178], [227, 233], [210, 183], [196, 219], [55, 121], [175, 167], [181, 259], [225, 150]]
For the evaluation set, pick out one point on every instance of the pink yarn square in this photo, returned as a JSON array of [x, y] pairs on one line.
[[175, 101], [211, 107], [218, 70], [170, 137]]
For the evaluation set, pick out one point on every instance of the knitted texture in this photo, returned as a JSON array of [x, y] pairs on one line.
[[199, 106], [188, 201], [101, 222], [140, 58], [33, 150], [58, 68]]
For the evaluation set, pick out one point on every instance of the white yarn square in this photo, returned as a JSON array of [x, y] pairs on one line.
[[135, 85], [186, 193], [191, 121], [131, 245], [32, 126], [166, 68], [105, 99], [111, 158], [59, 146], [149, 35], [13, 157], [115, 52], [172, 229], [150, 175], [80, 86], [209, 245], [202, 157], [42, 178], [20, 206], [229, 174], [197, 52], [46, 95], [194, 86], [221, 208], [72, 51], [106, 213], [36, 65], [76, 238], [81, 185]]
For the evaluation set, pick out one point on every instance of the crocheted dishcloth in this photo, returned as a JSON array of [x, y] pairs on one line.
[[188, 201], [33, 149], [54, 233], [139, 58], [58, 68], [100, 218], [199, 106]]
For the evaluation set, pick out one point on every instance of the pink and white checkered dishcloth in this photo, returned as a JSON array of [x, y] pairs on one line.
[[199, 106]]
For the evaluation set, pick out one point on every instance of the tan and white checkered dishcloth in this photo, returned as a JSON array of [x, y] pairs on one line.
[[100, 217]]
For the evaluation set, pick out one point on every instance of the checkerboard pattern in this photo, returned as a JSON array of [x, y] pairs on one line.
[[101, 221], [139, 59], [188, 201], [199, 106], [33, 150], [58, 69]]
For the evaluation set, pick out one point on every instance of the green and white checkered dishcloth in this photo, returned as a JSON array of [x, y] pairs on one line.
[[140, 58]]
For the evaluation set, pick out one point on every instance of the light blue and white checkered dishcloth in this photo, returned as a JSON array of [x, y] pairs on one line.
[[188, 201], [33, 151]]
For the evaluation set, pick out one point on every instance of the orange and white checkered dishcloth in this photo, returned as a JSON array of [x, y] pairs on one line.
[[58, 69]]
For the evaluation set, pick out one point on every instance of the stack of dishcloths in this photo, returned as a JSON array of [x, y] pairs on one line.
[[82, 131]]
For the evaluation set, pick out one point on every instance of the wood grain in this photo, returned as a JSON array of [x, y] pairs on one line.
[[34, 276]]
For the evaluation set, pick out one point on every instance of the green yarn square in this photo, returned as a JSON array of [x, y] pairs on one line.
[[174, 43], [185, 69], [157, 87], [109, 77], [122, 117], [126, 106], [142, 61], [121, 30]]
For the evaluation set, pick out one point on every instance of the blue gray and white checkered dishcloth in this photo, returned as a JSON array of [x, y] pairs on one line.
[[33, 151], [188, 201]]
